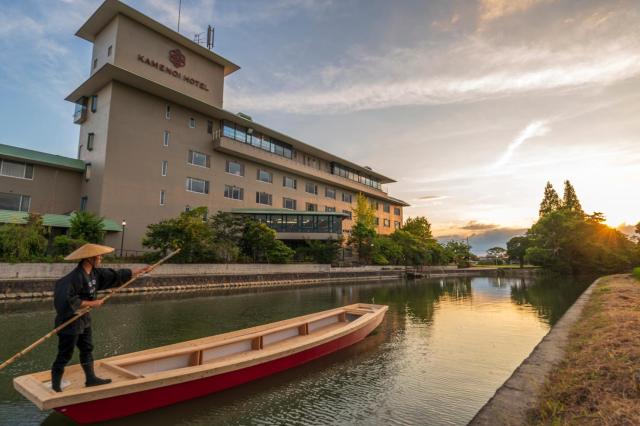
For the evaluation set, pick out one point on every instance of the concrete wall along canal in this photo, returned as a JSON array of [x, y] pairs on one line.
[[29, 280]]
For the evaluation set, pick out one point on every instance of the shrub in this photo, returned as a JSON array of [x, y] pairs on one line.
[[636, 273], [63, 245], [23, 243], [88, 227]]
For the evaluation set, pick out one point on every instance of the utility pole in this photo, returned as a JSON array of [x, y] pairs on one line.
[[179, 10]]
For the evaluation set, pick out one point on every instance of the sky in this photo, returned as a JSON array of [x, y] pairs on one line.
[[471, 105]]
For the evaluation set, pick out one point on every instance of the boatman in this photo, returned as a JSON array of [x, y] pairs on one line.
[[77, 290]]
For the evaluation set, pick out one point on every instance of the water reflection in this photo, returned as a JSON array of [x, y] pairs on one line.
[[443, 349]]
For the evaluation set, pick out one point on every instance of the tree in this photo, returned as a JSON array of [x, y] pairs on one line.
[[318, 251], [517, 248], [226, 229], [189, 232], [363, 231], [637, 232], [23, 243], [87, 226], [499, 254], [459, 252], [260, 244], [551, 201], [420, 227], [570, 200]]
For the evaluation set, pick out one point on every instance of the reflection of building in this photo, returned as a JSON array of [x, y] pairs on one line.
[[154, 141]]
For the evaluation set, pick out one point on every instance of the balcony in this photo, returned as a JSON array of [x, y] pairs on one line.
[[80, 114], [249, 152]]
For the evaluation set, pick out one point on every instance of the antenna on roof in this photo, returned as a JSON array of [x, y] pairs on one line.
[[179, 9], [210, 33], [198, 38]]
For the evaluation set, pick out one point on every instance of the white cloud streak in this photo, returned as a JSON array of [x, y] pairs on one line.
[[534, 129], [471, 72]]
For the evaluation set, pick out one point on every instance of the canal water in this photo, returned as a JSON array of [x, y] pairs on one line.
[[443, 349]]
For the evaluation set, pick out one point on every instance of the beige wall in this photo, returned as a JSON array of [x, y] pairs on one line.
[[52, 190], [134, 39], [132, 175], [104, 39], [96, 123]]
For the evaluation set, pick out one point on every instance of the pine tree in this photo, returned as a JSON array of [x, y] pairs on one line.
[[570, 200], [551, 201]]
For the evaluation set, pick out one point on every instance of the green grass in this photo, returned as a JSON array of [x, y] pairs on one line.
[[636, 272]]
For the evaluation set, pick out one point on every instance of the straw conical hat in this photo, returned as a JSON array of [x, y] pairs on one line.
[[89, 250]]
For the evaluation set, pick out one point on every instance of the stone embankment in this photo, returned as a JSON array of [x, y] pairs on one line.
[[35, 280]]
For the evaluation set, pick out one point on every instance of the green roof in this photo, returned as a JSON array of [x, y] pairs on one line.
[[53, 220], [287, 211], [40, 157]]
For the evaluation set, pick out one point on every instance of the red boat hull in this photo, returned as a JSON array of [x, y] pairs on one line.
[[126, 405]]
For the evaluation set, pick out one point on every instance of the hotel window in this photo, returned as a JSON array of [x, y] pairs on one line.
[[265, 176], [347, 212], [289, 203], [264, 198], [233, 192], [167, 112], [192, 123], [234, 168], [347, 198], [197, 185], [198, 159], [396, 211], [87, 172], [165, 165], [329, 209], [94, 103], [374, 204], [83, 203], [16, 170], [330, 193], [15, 202], [311, 188], [396, 224], [248, 136], [90, 138], [377, 221], [109, 50], [289, 182], [386, 208], [386, 223], [95, 63], [210, 127], [311, 207], [163, 197], [165, 138]]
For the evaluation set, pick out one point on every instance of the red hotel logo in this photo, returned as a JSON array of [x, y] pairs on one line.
[[177, 58]]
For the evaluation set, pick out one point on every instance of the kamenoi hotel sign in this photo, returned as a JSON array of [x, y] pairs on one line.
[[177, 58]]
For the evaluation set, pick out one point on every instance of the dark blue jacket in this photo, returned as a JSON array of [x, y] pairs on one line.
[[77, 286]]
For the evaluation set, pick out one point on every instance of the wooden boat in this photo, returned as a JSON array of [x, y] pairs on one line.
[[166, 375]]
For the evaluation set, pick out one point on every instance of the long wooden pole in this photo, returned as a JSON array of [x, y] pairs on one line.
[[83, 311]]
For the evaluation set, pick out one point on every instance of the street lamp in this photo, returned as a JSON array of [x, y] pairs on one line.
[[124, 225]]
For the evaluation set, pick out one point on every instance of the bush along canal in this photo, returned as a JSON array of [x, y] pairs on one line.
[[444, 347]]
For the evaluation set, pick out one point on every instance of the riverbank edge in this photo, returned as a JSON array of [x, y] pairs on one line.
[[42, 288], [520, 392]]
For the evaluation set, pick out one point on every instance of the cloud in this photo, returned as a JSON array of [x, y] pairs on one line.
[[476, 226], [472, 71], [494, 9], [534, 129]]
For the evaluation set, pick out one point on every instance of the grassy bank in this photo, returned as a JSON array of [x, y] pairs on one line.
[[598, 382]]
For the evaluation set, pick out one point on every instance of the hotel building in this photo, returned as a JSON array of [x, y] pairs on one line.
[[155, 140]]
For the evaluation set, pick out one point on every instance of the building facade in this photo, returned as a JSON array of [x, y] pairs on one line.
[[155, 141]]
